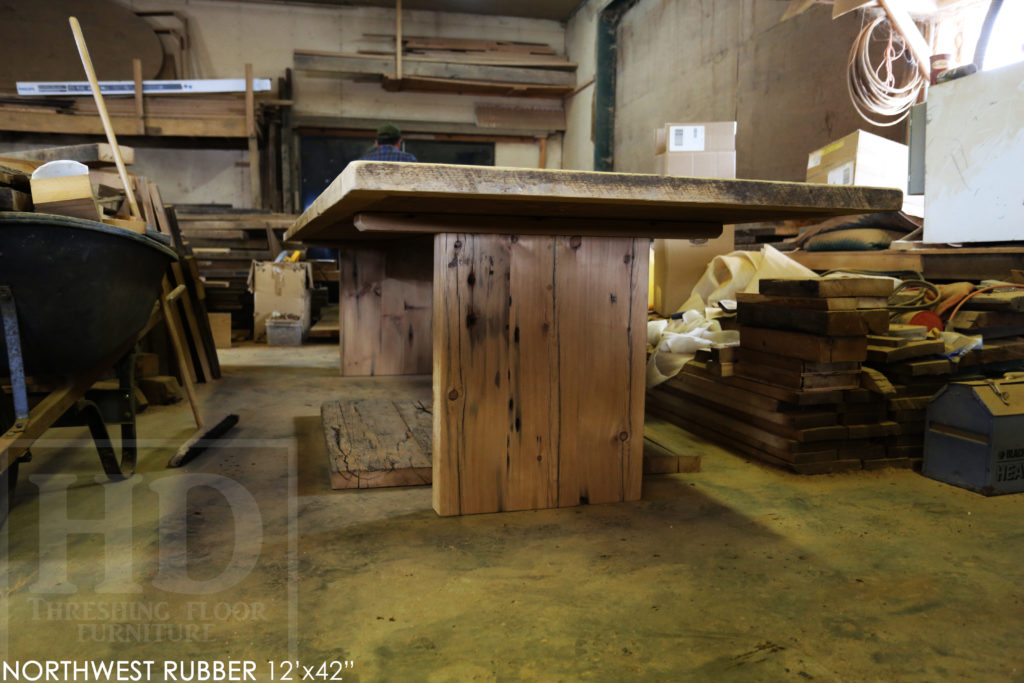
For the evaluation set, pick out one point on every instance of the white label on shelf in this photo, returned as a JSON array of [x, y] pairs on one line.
[[814, 159]]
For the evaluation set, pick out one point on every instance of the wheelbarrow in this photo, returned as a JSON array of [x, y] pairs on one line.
[[74, 297]]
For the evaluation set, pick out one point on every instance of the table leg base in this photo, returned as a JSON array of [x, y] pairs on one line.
[[539, 345]]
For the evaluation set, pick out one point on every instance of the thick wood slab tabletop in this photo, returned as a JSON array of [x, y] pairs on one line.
[[373, 199]]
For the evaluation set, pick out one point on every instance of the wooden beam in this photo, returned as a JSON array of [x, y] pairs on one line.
[[250, 132], [916, 43], [404, 224], [542, 152], [398, 39]]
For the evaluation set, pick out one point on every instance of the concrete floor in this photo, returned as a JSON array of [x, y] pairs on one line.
[[740, 572]]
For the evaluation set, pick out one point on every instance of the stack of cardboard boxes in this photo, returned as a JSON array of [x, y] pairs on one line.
[[707, 150]]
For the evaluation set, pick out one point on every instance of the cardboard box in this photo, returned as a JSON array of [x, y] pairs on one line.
[[860, 158], [696, 164], [701, 150], [282, 288], [677, 265]]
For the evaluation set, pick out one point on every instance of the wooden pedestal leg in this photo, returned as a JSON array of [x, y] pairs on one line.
[[384, 298], [539, 348]]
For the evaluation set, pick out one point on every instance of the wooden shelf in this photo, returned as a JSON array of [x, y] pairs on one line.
[[204, 116]]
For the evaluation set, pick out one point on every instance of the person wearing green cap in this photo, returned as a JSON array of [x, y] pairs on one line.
[[388, 146]]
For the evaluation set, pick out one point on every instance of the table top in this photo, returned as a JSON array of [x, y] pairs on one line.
[[371, 199]]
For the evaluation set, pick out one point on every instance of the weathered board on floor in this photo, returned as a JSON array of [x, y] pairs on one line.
[[374, 443], [538, 373], [369, 186]]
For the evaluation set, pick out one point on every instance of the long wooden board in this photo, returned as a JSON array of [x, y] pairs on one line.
[[808, 347], [835, 323], [389, 187], [839, 287], [377, 442], [91, 154]]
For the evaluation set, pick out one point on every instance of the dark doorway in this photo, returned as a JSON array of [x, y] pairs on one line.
[[323, 157]]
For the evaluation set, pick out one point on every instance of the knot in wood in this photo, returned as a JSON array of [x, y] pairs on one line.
[[575, 241], [623, 436], [453, 394]]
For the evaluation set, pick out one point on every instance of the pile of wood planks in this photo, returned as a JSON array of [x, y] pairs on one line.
[[225, 244], [455, 65], [791, 393]]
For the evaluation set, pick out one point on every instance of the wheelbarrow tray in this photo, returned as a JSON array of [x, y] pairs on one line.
[[81, 288]]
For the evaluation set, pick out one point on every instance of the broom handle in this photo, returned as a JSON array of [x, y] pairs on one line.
[[104, 117]]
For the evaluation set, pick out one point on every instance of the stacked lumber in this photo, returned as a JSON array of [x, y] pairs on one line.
[[794, 397], [912, 368], [993, 315], [225, 244], [459, 65]]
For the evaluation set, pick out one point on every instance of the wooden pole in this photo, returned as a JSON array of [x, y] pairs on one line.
[[83, 51], [254, 179], [398, 40], [140, 111], [542, 152]]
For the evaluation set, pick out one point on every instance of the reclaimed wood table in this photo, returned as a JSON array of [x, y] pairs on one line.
[[539, 305]]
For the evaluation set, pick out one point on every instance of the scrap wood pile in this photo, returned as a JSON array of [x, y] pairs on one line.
[[483, 67], [793, 397], [822, 382], [225, 243], [98, 194]]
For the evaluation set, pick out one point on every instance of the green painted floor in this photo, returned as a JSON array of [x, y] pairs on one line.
[[740, 572]]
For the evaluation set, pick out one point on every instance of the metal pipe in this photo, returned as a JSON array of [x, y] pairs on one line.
[[604, 80]]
